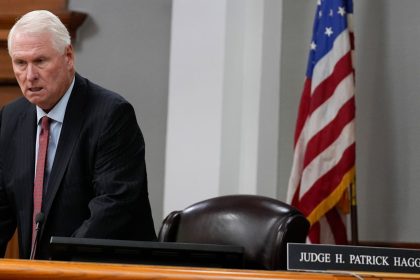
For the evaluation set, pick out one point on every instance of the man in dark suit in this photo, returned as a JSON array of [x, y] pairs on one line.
[[94, 181]]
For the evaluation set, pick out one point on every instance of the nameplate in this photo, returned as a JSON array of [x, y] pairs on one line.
[[352, 258]]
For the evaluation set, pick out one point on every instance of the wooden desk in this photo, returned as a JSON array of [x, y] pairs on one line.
[[11, 269]]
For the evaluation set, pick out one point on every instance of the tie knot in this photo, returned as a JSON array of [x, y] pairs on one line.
[[45, 123]]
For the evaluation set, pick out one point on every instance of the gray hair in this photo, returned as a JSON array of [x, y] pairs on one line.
[[41, 22]]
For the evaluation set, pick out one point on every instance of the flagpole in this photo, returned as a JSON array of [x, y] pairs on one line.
[[353, 215]]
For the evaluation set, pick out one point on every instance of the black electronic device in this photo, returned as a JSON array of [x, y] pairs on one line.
[[145, 252]]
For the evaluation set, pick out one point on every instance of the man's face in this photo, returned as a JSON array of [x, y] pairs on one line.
[[43, 73]]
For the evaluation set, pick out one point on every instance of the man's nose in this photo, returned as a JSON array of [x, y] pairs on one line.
[[32, 72]]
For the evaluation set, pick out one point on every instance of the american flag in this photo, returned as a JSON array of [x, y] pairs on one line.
[[324, 146]]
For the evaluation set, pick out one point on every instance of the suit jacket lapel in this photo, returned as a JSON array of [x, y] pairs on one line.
[[70, 132], [25, 156]]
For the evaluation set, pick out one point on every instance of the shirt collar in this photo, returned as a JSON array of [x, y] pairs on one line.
[[58, 111]]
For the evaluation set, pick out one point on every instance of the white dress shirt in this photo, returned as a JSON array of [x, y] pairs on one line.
[[56, 114]]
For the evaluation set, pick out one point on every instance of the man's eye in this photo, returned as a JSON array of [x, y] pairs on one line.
[[20, 62]]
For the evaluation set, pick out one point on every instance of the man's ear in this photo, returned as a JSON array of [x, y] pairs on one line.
[[69, 55]]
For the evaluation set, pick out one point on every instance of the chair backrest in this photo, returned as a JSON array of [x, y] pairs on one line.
[[262, 226]]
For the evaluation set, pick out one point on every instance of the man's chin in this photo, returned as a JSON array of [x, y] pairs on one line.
[[36, 99]]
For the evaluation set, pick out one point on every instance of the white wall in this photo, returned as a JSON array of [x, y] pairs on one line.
[[195, 102], [388, 130], [223, 100]]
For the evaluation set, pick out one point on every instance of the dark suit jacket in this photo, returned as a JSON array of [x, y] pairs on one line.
[[98, 184]]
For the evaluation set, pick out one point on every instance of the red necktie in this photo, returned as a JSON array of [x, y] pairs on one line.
[[40, 168]]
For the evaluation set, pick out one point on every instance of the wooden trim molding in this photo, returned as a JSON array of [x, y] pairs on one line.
[[25, 269], [71, 19]]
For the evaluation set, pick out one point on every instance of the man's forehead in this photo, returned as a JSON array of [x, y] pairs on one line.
[[32, 44]]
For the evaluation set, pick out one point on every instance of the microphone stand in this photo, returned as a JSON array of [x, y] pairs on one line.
[[39, 218]]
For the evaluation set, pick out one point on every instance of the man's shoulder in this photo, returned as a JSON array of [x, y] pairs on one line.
[[14, 114], [16, 107], [97, 94], [97, 102]]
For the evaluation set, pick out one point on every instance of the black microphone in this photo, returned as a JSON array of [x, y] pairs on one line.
[[39, 219]]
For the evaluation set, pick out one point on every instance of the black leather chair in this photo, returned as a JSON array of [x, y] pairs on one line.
[[262, 226]]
